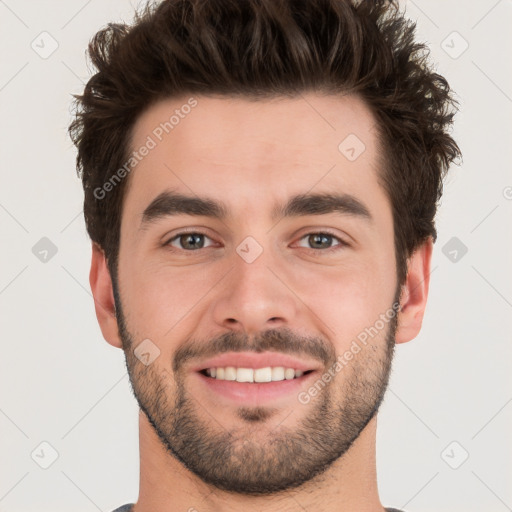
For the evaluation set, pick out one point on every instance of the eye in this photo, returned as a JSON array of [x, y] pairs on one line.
[[194, 240], [323, 240], [188, 241]]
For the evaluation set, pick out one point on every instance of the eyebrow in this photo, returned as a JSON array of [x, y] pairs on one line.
[[168, 204]]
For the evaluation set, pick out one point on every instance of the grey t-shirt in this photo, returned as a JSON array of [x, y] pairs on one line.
[[128, 508]]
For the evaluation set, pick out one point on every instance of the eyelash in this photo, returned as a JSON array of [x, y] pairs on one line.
[[342, 244]]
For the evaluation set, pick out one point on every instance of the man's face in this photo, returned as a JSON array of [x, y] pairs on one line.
[[309, 283]]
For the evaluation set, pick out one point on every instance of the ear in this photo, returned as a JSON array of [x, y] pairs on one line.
[[101, 286], [413, 298]]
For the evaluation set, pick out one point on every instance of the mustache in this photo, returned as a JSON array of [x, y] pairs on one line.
[[282, 340]]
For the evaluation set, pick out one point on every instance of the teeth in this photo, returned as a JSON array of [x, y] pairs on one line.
[[267, 374], [289, 373], [278, 373], [230, 373], [245, 375], [263, 374]]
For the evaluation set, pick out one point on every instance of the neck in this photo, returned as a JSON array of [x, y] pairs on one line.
[[166, 485]]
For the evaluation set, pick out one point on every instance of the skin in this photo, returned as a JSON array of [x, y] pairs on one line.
[[251, 155]]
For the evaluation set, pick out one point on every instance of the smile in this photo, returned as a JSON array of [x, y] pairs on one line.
[[266, 374]]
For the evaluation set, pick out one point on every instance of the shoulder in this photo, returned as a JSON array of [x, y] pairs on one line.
[[124, 508]]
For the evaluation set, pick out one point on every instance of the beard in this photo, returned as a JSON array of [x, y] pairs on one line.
[[252, 458]]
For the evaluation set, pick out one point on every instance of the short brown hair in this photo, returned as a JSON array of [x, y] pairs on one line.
[[269, 48]]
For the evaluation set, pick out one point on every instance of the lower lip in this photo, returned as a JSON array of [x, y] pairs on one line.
[[254, 393]]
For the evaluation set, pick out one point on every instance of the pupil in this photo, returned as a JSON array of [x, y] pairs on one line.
[[318, 239], [193, 239]]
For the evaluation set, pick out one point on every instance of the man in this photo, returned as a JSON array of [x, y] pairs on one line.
[[261, 180]]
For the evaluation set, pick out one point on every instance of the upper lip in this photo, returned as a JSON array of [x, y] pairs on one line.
[[257, 360]]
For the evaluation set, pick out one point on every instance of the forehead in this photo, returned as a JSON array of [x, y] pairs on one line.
[[247, 152]]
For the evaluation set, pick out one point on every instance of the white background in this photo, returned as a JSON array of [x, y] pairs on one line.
[[61, 383]]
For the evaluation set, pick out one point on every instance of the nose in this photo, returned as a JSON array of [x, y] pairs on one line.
[[255, 296]]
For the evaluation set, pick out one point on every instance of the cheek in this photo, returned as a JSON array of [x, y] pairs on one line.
[[348, 298], [163, 299]]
